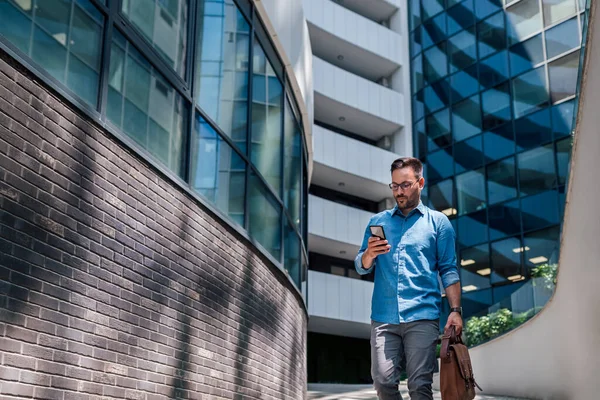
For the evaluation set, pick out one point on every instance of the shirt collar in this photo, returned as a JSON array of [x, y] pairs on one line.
[[420, 208]]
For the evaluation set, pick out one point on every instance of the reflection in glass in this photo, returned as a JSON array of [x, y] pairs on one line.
[[438, 130], [505, 219], [563, 76], [470, 191], [483, 8], [556, 10], [464, 83], [221, 70], [435, 30], [502, 181], [529, 91], [496, 106], [524, 19], [466, 118], [540, 210], [499, 142], [460, 17], [542, 247], [563, 158], [462, 50], [415, 13], [291, 262], [265, 216], [417, 73], [164, 24], [266, 119], [506, 260], [468, 154], [431, 8], [435, 63], [472, 229], [562, 118], [536, 170], [436, 95], [441, 197], [63, 37], [292, 164], [491, 34], [475, 268], [439, 165], [533, 130], [493, 70], [526, 55], [144, 105], [562, 38], [216, 171]]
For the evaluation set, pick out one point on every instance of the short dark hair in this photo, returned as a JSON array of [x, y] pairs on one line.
[[412, 162]]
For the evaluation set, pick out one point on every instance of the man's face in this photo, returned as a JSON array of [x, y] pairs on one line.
[[409, 197]]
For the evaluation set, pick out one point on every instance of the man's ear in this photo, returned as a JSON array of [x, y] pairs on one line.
[[422, 182]]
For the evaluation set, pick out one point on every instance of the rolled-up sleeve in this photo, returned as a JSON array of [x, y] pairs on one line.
[[358, 260], [446, 253]]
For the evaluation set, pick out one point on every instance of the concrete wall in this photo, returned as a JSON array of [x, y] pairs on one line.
[[115, 284], [555, 355]]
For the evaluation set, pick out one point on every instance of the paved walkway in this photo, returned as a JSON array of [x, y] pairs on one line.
[[366, 392]]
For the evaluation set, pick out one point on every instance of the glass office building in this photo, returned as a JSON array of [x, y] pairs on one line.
[[494, 92], [194, 87]]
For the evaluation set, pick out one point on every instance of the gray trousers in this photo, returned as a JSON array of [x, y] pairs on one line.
[[407, 346]]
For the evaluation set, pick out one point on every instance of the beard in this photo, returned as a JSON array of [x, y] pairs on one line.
[[407, 203]]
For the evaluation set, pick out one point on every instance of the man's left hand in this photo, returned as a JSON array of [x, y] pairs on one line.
[[455, 319]]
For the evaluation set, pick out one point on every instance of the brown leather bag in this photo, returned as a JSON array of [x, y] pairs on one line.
[[456, 373]]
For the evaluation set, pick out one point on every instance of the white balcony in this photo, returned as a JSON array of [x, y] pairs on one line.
[[363, 169], [355, 104], [354, 42], [375, 10], [335, 229], [338, 305]]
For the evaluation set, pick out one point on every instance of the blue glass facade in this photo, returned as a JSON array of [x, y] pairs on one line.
[[493, 92]]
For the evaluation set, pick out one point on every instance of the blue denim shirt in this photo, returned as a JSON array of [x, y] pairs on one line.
[[406, 278]]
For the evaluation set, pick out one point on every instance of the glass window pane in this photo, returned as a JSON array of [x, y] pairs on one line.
[[470, 191], [506, 260], [435, 30], [431, 8], [439, 165], [441, 197], [475, 267], [491, 34], [415, 43], [292, 165], [15, 24], [418, 106], [542, 247], [462, 50], [291, 262], [556, 10], [437, 96], [524, 19], [464, 83], [529, 91], [505, 219], [494, 70], [417, 73], [144, 105], [499, 142], [216, 171], [438, 130], [422, 138], [526, 55], [540, 210], [164, 25], [533, 130], [563, 158], [496, 106], [483, 8], [563, 76], [266, 119], [415, 13], [562, 118], [468, 154], [221, 70], [502, 182], [265, 216], [435, 63], [536, 170], [460, 16], [562, 38], [472, 229], [466, 118]]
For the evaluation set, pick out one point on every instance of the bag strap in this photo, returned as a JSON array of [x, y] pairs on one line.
[[448, 339]]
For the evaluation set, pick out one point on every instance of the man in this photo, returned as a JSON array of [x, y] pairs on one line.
[[406, 299]]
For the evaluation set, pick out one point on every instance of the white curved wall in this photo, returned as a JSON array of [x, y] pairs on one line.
[[555, 355]]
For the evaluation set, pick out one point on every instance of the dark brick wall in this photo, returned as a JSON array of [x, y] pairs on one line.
[[115, 284]]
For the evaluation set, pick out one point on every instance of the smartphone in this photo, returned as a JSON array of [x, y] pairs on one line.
[[377, 230]]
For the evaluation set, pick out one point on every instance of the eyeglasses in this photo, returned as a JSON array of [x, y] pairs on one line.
[[403, 185]]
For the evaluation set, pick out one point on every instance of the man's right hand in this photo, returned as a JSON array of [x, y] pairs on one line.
[[375, 247]]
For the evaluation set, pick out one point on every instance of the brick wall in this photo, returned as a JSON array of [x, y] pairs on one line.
[[115, 284]]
